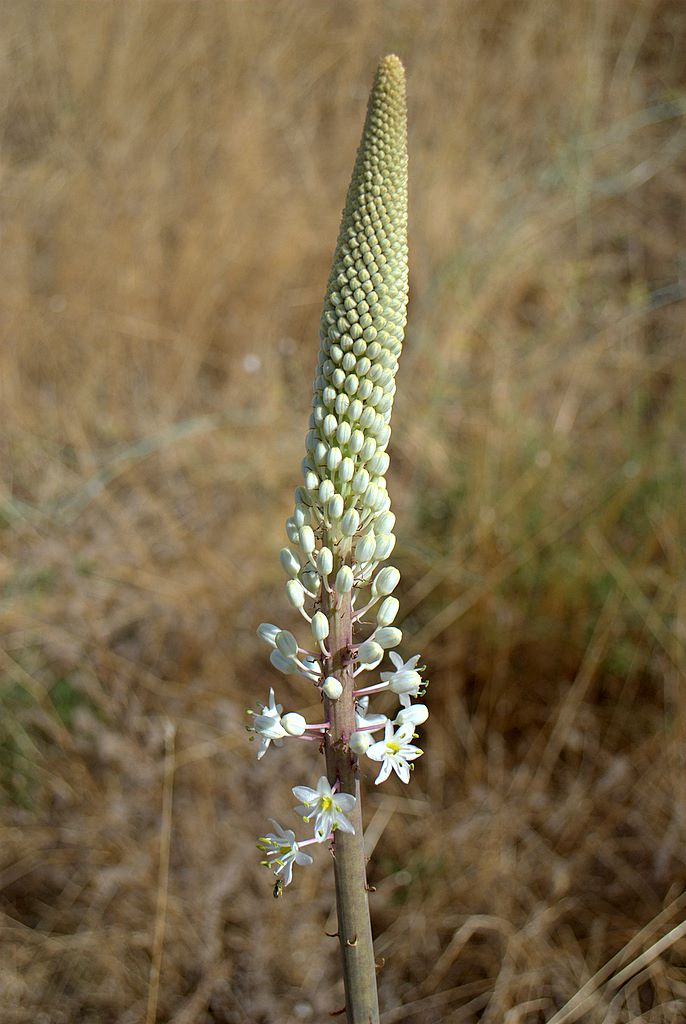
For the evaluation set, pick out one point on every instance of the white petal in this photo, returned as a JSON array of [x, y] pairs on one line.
[[323, 786], [396, 659], [377, 751], [345, 801], [344, 825], [304, 793], [384, 773], [402, 770], [302, 858]]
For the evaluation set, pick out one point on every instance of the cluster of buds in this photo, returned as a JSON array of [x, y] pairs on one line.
[[342, 529]]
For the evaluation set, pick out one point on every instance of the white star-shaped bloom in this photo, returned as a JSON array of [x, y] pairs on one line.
[[406, 681], [326, 807], [267, 724], [395, 751], [283, 851]]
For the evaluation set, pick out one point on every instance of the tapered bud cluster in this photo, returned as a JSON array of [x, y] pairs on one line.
[[342, 528]]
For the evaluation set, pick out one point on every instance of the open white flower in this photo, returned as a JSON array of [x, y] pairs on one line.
[[395, 751], [326, 807], [406, 681], [283, 851], [267, 724]]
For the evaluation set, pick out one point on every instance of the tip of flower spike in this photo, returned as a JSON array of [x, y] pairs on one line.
[[391, 64]]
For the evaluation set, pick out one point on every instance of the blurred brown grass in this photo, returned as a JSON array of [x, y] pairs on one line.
[[172, 179]]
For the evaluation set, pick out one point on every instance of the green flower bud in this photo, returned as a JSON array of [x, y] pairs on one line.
[[365, 547], [384, 524], [343, 432], [354, 410], [350, 522], [346, 470], [326, 491], [295, 593], [370, 653], [356, 442], [307, 539], [329, 425], [267, 632], [324, 561], [320, 626], [286, 643], [386, 581], [384, 546], [332, 688], [359, 742], [388, 609], [344, 580], [388, 636], [360, 481], [368, 450], [336, 507], [333, 458], [283, 664], [290, 563], [310, 579]]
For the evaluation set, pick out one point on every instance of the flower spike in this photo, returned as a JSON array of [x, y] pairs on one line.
[[341, 533]]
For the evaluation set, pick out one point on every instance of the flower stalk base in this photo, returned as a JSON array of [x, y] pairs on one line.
[[350, 869]]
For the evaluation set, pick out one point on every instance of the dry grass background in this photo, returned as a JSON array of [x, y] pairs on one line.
[[172, 176]]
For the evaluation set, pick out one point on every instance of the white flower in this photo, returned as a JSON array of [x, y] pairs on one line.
[[395, 751], [363, 719], [326, 807], [281, 849], [414, 714], [267, 724], [406, 681]]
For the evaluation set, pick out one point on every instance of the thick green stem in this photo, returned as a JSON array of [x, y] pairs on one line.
[[354, 925]]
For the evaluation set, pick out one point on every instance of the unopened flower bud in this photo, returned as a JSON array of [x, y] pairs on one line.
[[416, 714], [292, 531], [365, 547], [267, 632], [384, 523], [295, 593], [344, 580], [336, 507], [329, 425], [282, 663], [388, 609], [356, 441], [333, 458], [326, 491], [360, 481], [319, 626], [307, 539], [388, 636], [293, 723], [310, 579], [384, 546], [350, 522], [332, 688], [289, 562], [386, 581], [370, 653], [346, 470], [286, 643], [359, 742], [324, 561]]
